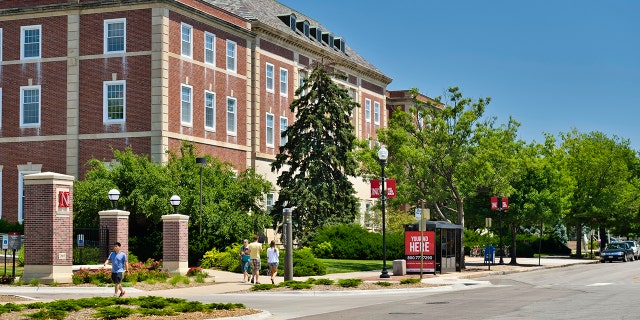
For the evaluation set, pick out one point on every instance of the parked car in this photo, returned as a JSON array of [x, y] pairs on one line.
[[634, 246], [617, 251]]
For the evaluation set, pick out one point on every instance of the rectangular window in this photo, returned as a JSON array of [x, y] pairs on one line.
[[115, 35], [0, 124], [231, 56], [0, 54], [30, 42], [114, 101], [231, 115], [187, 37], [186, 105], [270, 76], [284, 124], [376, 112], [301, 76], [367, 110], [284, 82], [270, 133], [209, 48], [270, 200], [30, 106], [210, 110]]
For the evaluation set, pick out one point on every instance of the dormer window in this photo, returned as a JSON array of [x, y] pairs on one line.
[[303, 26], [316, 33], [289, 19], [292, 22], [339, 43], [327, 37]]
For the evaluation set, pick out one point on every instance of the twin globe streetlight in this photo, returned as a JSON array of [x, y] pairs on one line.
[[383, 154]]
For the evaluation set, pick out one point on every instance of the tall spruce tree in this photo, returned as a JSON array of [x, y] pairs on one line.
[[317, 160]]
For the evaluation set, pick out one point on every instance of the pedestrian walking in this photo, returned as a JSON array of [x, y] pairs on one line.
[[273, 258], [255, 248], [119, 264]]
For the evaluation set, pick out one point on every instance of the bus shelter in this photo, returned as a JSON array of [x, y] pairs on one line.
[[436, 245]]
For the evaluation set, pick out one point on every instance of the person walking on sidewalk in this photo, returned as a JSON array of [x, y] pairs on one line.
[[255, 248], [273, 258], [119, 264], [243, 258]]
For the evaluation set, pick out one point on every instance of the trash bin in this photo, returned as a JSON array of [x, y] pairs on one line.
[[489, 254]]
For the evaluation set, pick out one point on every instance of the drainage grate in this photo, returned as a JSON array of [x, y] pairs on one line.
[[438, 302]]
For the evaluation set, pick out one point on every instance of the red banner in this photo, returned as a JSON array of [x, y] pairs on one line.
[[375, 188], [390, 184], [494, 203], [505, 203]]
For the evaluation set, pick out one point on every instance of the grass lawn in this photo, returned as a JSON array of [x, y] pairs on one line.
[[343, 266]]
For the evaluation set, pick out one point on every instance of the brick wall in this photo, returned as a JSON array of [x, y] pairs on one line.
[[175, 243]]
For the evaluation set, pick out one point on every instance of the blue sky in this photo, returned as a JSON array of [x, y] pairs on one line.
[[553, 65]]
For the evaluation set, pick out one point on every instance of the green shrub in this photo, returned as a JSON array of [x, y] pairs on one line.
[[224, 306], [383, 283], [305, 264], [151, 302], [323, 250], [188, 306], [113, 312], [263, 286], [9, 307], [48, 314], [196, 271], [349, 282], [410, 280], [34, 282], [64, 305], [323, 281], [226, 260]]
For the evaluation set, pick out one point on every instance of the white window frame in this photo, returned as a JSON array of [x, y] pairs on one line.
[[270, 200], [232, 63], [270, 129], [109, 22], [270, 80], [210, 109], [23, 29], [210, 48], [22, 90], [367, 110], [186, 43], [232, 115], [302, 74], [284, 124], [0, 127], [284, 82], [186, 103], [105, 101], [21, 174], [376, 112]]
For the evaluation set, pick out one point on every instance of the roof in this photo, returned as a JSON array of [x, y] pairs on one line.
[[267, 12]]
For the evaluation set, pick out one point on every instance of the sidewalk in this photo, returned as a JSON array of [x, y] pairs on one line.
[[229, 282]]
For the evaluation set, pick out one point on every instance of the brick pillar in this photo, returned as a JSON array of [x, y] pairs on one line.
[[175, 243], [117, 222], [48, 227]]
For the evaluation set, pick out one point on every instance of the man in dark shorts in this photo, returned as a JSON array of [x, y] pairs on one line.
[[119, 264]]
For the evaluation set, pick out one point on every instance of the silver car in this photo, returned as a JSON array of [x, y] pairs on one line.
[[634, 246]]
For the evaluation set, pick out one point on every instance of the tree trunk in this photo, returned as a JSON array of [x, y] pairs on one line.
[[461, 222]]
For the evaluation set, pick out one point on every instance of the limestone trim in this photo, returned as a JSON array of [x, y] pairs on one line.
[[48, 178]]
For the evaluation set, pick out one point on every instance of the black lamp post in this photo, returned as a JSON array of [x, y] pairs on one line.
[[500, 225], [175, 202], [201, 162], [114, 195], [383, 153]]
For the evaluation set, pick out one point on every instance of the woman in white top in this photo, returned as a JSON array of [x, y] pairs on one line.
[[273, 257]]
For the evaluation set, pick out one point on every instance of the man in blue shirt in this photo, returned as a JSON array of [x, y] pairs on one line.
[[119, 262]]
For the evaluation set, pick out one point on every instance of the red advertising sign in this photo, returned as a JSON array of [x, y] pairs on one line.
[[375, 188], [505, 203], [414, 241], [494, 203]]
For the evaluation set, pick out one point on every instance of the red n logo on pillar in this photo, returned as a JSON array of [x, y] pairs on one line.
[[64, 200]]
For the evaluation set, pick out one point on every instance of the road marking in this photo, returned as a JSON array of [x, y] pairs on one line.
[[599, 284]]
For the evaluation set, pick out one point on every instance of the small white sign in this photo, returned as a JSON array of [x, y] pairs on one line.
[[5, 241]]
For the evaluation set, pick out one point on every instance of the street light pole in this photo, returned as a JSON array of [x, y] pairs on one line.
[[288, 239], [383, 153], [500, 224], [201, 163]]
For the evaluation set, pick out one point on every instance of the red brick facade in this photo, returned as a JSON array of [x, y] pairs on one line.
[[175, 238]]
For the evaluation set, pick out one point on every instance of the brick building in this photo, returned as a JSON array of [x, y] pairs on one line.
[[80, 77]]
